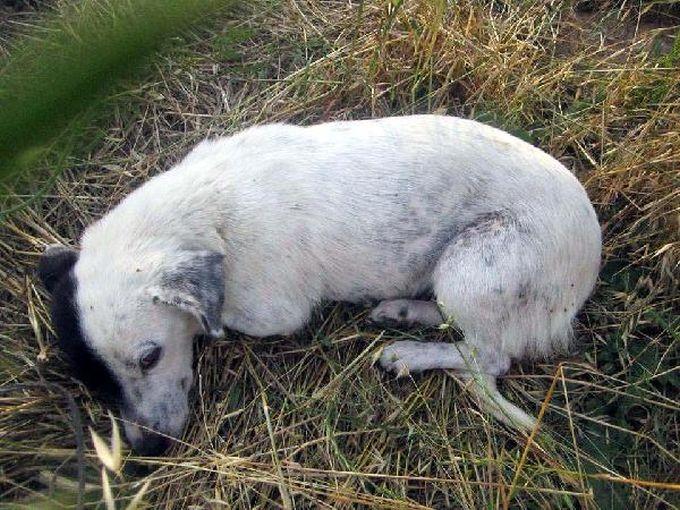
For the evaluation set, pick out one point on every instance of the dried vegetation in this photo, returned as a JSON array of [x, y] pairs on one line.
[[306, 422]]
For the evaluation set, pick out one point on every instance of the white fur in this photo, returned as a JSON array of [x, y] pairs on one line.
[[382, 209]]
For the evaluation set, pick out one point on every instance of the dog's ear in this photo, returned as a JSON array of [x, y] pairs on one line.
[[194, 282], [55, 263]]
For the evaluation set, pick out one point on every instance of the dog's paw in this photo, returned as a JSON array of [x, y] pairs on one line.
[[406, 312], [401, 358]]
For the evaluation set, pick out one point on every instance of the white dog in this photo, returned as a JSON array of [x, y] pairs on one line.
[[252, 231]]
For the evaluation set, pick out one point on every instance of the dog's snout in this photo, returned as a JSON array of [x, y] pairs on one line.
[[153, 434], [150, 444]]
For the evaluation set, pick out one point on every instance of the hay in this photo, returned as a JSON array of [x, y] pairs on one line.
[[307, 421]]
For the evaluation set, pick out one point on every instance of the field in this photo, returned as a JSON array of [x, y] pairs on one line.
[[308, 421]]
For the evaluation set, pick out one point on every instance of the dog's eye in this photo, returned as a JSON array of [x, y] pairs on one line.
[[150, 358]]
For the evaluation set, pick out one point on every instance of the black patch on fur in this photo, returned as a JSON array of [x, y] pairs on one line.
[[90, 368], [198, 285], [54, 264], [524, 293]]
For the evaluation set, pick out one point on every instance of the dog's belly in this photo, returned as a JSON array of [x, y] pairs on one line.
[[301, 268], [379, 266]]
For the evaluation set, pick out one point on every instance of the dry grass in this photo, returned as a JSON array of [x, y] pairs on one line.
[[306, 421]]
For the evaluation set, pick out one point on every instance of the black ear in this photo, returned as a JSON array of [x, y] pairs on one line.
[[55, 263], [194, 282]]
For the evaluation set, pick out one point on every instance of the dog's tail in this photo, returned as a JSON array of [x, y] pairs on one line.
[[483, 387]]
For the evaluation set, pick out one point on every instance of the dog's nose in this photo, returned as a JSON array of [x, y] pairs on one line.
[[151, 445]]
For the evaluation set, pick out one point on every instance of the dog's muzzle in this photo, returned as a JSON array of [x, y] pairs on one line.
[[151, 444]]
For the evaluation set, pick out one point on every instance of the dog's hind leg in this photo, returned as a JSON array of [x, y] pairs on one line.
[[407, 312], [510, 294], [479, 367]]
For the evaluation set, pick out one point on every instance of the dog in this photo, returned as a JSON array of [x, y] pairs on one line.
[[251, 232]]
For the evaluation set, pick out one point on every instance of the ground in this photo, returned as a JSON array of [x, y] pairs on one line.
[[308, 421]]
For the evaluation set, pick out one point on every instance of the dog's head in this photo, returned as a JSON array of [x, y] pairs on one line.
[[128, 327]]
